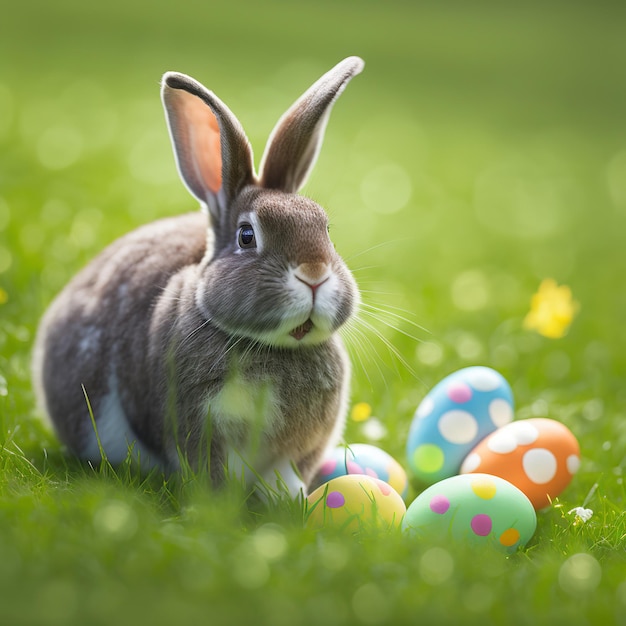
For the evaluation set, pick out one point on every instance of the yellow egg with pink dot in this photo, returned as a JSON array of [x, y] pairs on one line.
[[353, 503]]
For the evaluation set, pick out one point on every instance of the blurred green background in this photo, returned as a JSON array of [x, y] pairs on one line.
[[482, 150]]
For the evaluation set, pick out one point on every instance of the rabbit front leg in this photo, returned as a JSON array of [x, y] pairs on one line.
[[272, 478], [282, 475]]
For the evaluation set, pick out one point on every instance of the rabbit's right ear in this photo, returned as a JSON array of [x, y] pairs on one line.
[[212, 151], [294, 143]]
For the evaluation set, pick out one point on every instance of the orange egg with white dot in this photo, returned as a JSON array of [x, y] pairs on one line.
[[538, 455]]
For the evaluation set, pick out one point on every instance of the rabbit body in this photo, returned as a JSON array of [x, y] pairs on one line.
[[212, 334]]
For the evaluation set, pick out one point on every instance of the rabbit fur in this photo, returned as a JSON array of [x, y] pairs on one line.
[[212, 335]]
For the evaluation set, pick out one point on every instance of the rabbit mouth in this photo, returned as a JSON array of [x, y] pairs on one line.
[[302, 331]]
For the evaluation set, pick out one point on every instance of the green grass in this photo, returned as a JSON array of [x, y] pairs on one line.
[[482, 150]]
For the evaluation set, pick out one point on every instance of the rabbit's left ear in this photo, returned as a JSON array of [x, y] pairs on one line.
[[212, 151], [295, 142]]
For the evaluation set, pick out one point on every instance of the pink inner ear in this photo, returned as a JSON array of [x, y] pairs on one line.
[[204, 139]]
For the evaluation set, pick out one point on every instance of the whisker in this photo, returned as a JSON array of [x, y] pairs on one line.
[[384, 317], [172, 294], [397, 329], [358, 343], [378, 358], [392, 349], [389, 306], [377, 292], [365, 267], [232, 343], [379, 245], [254, 348], [192, 333]]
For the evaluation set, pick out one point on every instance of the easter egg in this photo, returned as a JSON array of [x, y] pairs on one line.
[[354, 502], [538, 455], [472, 509], [459, 411], [363, 458]]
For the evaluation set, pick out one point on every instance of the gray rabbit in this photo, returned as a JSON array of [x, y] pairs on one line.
[[212, 335]]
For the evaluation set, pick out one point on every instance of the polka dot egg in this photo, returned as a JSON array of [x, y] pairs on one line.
[[355, 502], [538, 455], [363, 458], [460, 411], [475, 509]]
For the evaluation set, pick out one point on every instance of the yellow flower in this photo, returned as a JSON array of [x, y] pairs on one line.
[[361, 411], [552, 310]]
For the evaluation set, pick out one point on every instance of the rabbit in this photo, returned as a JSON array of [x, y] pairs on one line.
[[212, 337]]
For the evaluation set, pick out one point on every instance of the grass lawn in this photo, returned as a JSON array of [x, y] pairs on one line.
[[482, 150]]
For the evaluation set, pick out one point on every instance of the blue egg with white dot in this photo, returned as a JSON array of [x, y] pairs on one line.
[[455, 415]]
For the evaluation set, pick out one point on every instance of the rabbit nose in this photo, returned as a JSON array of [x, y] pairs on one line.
[[312, 274]]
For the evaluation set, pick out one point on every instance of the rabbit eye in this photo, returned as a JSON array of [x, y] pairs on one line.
[[246, 237]]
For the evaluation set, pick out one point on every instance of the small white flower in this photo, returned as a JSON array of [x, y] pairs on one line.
[[582, 513]]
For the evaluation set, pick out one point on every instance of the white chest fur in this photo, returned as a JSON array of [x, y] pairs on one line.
[[246, 413], [242, 405]]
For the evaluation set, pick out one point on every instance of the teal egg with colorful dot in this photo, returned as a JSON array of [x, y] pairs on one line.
[[473, 509], [453, 418], [364, 459]]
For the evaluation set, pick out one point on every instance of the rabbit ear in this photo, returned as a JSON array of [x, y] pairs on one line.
[[212, 151], [294, 144]]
